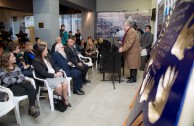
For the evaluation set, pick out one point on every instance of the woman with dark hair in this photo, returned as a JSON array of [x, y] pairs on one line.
[[45, 68], [12, 78]]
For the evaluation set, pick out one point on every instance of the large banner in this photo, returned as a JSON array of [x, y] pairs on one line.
[[164, 90], [108, 22]]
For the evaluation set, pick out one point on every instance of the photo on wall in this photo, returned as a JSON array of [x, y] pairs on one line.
[[109, 23]]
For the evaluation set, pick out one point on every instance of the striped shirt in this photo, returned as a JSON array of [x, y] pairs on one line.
[[11, 78]]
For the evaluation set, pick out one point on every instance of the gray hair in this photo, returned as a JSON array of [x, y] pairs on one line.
[[57, 38], [130, 23], [57, 46]]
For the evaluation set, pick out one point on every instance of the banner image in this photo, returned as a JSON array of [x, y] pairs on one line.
[[163, 91]]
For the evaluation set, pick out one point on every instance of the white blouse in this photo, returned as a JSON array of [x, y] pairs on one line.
[[50, 69]]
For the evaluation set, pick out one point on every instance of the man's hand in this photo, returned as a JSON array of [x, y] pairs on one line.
[[70, 63], [120, 50], [79, 64], [58, 74]]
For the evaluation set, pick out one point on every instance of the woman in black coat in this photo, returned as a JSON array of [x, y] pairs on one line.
[[46, 69]]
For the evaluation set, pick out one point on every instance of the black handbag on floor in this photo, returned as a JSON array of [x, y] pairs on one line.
[[59, 103]]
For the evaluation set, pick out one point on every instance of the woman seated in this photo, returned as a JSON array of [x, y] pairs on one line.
[[46, 69], [12, 78], [91, 50], [25, 68], [82, 47], [29, 54]]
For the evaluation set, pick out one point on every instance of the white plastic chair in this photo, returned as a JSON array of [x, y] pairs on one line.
[[50, 90], [90, 64], [20, 98], [7, 106]]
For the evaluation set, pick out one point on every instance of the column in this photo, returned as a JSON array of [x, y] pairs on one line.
[[46, 20]]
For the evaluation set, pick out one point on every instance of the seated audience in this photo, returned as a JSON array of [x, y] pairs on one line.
[[73, 58], [45, 68], [38, 41], [82, 47], [29, 54], [91, 50], [25, 68], [12, 78], [60, 59], [57, 40]]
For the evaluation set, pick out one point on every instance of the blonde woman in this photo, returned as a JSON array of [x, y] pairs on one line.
[[29, 54]]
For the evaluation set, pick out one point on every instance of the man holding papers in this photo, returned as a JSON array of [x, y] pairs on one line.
[[146, 44]]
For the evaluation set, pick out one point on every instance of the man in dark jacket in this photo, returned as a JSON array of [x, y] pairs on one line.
[[74, 59], [60, 59], [146, 43]]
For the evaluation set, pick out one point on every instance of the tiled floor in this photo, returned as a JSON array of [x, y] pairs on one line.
[[101, 106]]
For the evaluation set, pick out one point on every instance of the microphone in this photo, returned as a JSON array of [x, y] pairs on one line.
[[117, 30], [114, 31]]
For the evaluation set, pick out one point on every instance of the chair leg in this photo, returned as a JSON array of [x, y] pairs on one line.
[[93, 71], [97, 64], [87, 75], [38, 98], [50, 93], [69, 87], [17, 114]]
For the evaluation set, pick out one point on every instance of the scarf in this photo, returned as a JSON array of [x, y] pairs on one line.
[[124, 37]]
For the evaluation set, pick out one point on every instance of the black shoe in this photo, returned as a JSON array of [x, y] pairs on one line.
[[78, 92], [129, 77], [33, 111], [132, 80], [81, 91], [86, 81]]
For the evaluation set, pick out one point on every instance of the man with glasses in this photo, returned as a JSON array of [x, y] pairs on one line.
[[146, 44]]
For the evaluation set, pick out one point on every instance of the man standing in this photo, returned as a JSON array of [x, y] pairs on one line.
[[131, 50], [64, 35], [146, 43]]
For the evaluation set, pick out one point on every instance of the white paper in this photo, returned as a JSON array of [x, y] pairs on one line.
[[143, 52]]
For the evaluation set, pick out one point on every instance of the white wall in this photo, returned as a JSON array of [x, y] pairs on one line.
[[6, 17], [123, 5], [47, 12]]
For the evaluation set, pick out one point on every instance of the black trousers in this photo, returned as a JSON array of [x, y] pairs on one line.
[[84, 69], [77, 78], [133, 73], [25, 89], [143, 62]]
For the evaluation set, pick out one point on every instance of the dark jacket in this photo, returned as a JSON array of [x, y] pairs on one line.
[[53, 48], [41, 69], [61, 62], [72, 56], [146, 41], [28, 57]]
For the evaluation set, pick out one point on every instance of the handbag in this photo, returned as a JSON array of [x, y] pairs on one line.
[[59, 103]]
